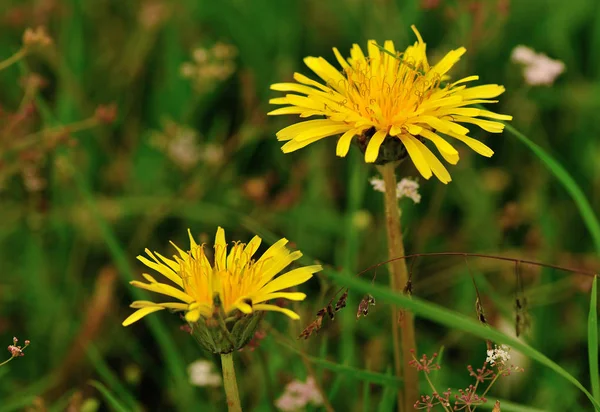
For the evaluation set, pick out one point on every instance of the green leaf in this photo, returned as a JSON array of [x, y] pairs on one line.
[[507, 406], [593, 341], [456, 321], [388, 399], [108, 376], [109, 397]]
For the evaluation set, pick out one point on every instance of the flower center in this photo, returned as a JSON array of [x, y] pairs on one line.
[[387, 90]]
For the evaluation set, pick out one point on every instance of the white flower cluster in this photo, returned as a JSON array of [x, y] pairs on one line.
[[539, 69], [201, 374], [405, 188], [298, 395], [500, 355]]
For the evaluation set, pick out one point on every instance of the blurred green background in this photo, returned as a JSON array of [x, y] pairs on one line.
[[190, 146]]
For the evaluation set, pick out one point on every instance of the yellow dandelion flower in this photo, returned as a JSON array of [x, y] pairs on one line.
[[234, 286], [394, 102]]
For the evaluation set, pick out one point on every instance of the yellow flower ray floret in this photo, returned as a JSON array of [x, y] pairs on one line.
[[400, 97], [242, 283]]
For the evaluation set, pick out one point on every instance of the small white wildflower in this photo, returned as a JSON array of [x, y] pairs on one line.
[[183, 149], [500, 355], [299, 394], [201, 374], [539, 69], [378, 184], [405, 188], [409, 188], [523, 55]]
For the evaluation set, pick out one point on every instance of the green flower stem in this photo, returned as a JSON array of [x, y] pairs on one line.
[[403, 337], [13, 59], [6, 361], [231, 389]]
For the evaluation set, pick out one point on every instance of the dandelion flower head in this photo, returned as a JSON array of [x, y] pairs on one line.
[[394, 102], [240, 282]]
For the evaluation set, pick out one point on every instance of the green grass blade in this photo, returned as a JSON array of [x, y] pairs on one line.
[[109, 397], [108, 376], [585, 209], [507, 406], [388, 398], [366, 401], [456, 321], [593, 341]]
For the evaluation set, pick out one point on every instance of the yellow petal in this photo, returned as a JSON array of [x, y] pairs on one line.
[[300, 78], [292, 131], [436, 166], [164, 290], [441, 124], [340, 59], [294, 145], [273, 308], [292, 87], [275, 249], [390, 60], [193, 243], [487, 125], [292, 278], [374, 144], [322, 131], [182, 254], [476, 145], [220, 250], [343, 144], [464, 80], [396, 130], [327, 72], [234, 257], [306, 102], [171, 263], [487, 91], [276, 265], [448, 152], [432, 104], [167, 305], [447, 62], [160, 268], [416, 32], [287, 110], [242, 306], [278, 100], [140, 313], [492, 115], [416, 156], [358, 58], [280, 295], [192, 316], [252, 247]]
